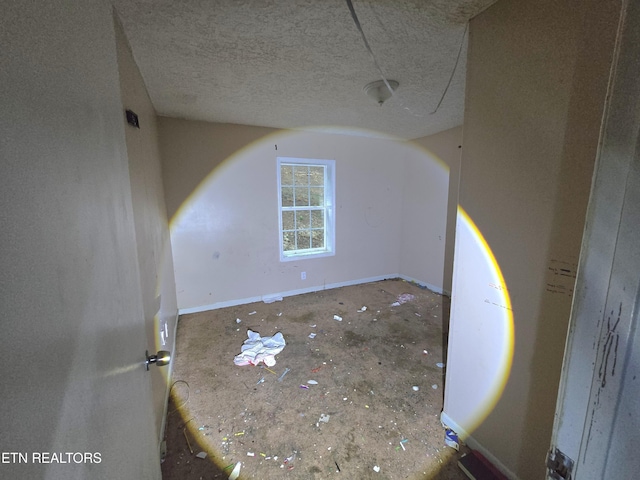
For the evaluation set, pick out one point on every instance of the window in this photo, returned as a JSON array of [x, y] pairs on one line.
[[305, 204]]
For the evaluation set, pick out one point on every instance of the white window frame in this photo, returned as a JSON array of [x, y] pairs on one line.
[[329, 210]]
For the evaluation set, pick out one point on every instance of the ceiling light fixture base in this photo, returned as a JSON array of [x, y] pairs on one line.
[[379, 91]]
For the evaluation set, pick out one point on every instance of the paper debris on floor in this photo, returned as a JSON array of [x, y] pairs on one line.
[[272, 298], [451, 439], [236, 471], [258, 349], [404, 298]]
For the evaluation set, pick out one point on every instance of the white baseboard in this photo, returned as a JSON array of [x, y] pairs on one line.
[[290, 293], [317, 288], [473, 444], [217, 305], [433, 288]]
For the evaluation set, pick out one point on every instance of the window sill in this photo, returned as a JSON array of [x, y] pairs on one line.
[[306, 255]]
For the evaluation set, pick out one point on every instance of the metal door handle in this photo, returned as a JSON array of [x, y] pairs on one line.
[[160, 359]]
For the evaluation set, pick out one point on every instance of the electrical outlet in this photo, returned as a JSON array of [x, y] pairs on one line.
[[303, 275]]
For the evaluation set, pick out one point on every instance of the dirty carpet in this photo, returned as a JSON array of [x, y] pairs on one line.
[[356, 392]]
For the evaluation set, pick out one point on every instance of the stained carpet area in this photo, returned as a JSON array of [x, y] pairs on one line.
[[359, 400]]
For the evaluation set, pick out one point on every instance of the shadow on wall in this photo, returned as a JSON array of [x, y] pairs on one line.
[[215, 147]]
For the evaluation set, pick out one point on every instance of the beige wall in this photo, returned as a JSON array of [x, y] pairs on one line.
[[225, 235], [155, 261], [72, 316], [536, 82], [186, 164], [447, 147]]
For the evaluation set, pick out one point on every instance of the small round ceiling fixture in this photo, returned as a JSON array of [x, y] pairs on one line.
[[379, 91]]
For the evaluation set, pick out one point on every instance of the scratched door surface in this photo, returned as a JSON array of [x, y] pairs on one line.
[[598, 414]]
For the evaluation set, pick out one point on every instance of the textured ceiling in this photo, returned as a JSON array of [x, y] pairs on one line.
[[303, 63]]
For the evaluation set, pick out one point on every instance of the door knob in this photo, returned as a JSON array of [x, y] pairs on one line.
[[160, 359]]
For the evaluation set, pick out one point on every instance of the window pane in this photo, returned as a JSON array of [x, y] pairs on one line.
[[302, 196], [304, 239], [287, 220], [303, 219], [307, 227], [316, 175], [301, 175], [288, 241], [317, 219], [286, 175], [317, 197], [287, 197], [317, 239]]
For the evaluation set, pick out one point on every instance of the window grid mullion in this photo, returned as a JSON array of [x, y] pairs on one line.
[[295, 221], [308, 207]]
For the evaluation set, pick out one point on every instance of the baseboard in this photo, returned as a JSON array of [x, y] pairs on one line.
[[420, 283], [217, 305], [473, 444], [289, 293], [316, 288]]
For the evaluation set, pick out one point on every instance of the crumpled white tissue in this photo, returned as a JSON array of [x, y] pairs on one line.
[[256, 349]]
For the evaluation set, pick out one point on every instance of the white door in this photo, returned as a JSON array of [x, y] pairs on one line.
[[597, 424]]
